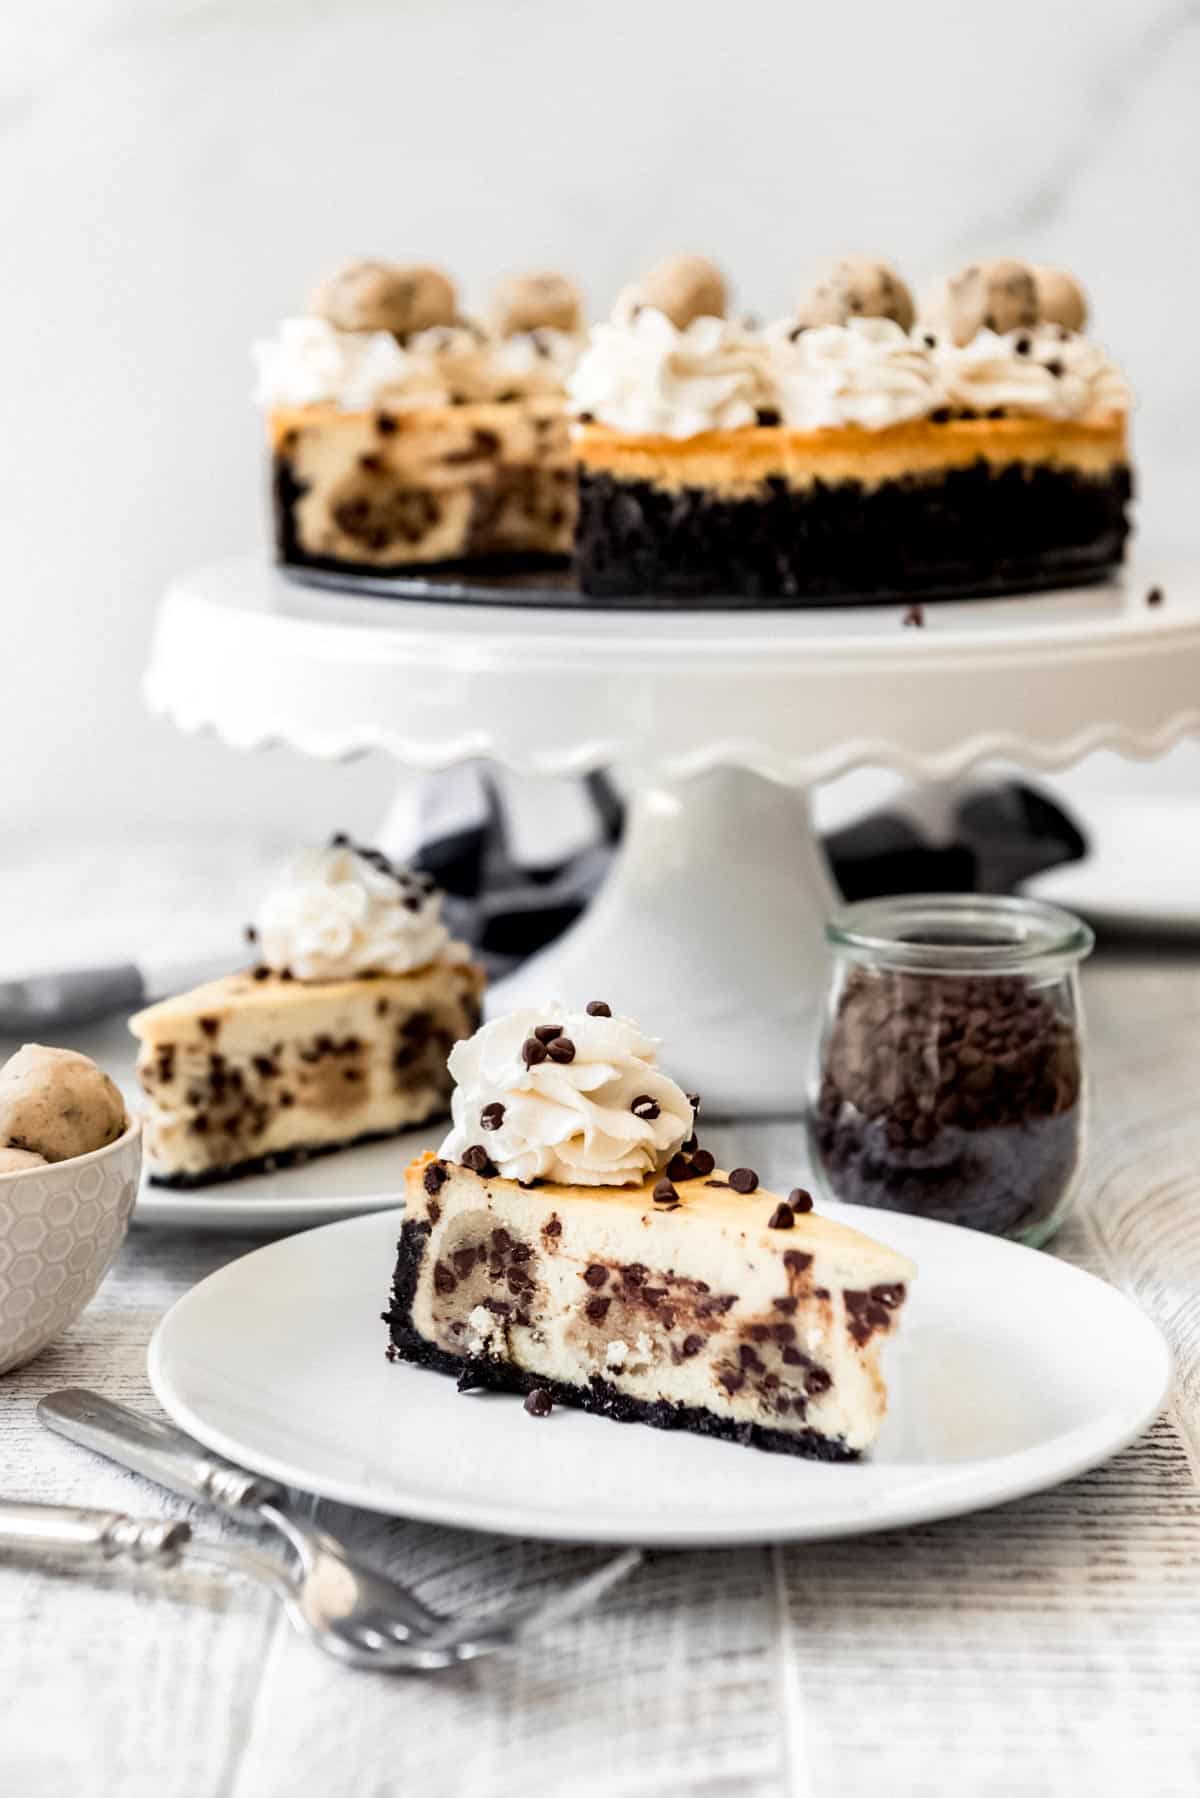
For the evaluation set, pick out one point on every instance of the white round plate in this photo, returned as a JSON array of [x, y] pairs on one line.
[[1012, 1371], [1142, 869], [320, 1191]]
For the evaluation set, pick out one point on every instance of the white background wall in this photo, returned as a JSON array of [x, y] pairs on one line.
[[174, 175]]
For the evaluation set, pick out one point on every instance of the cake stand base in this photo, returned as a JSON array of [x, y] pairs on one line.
[[713, 916], [709, 929]]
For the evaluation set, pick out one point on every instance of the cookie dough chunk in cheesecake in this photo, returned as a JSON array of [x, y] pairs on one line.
[[338, 1035], [403, 435], [573, 1238]]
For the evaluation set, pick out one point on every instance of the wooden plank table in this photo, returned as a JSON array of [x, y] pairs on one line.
[[1050, 1647]]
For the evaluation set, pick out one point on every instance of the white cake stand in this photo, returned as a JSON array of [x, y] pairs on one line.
[[710, 928]]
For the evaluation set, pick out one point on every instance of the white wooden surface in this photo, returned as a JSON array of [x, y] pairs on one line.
[[1052, 1647]]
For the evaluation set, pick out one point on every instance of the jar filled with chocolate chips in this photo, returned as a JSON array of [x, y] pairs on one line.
[[950, 1069]]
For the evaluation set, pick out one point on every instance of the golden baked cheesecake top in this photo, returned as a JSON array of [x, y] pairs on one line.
[[999, 342]]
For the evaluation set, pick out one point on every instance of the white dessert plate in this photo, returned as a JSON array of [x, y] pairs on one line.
[[1142, 870], [1012, 1371], [370, 1178]]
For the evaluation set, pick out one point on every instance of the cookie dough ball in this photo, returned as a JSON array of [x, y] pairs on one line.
[[684, 287], [994, 296], [382, 296], [856, 287], [17, 1161], [57, 1104], [1060, 298], [541, 301]]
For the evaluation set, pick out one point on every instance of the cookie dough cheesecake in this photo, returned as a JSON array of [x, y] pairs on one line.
[[572, 1241], [404, 436], [339, 1034], [851, 450]]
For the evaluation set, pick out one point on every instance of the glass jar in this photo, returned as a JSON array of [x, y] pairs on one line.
[[950, 1069]]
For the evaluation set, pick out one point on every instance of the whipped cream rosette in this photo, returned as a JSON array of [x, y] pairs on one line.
[[645, 375], [868, 372], [566, 1096], [341, 912]]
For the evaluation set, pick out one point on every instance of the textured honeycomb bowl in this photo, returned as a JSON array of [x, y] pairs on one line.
[[60, 1229]]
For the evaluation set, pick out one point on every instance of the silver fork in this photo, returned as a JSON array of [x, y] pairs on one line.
[[357, 1614], [79, 1535]]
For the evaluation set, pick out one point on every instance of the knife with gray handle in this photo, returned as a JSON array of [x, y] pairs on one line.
[[35, 1003]]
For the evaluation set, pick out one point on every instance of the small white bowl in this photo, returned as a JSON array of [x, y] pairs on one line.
[[60, 1229]]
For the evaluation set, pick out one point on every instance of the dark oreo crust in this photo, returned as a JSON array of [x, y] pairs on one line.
[[599, 1397], [965, 531]]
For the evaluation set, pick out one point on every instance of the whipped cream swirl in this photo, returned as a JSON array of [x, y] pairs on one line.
[[571, 1118], [645, 376], [1045, 372], [341, 912], [310, 362], [867, 372]]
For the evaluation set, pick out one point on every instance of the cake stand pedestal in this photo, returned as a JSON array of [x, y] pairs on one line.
[[710, 928]]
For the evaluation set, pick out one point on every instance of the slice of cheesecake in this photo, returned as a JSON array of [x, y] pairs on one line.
[[709, 1309], [259, 1070]]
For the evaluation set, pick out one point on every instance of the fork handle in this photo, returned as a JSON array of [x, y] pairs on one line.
[[158, 1451], [76, 1533]]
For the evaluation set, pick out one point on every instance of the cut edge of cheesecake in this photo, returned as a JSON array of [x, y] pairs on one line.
[[252, 1072], [612, 1304]]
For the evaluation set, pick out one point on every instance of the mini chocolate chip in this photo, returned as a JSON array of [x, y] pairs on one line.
[[679, 1168], [690, 1146], [664, 1193], [644, 1107], [596, 1008], [538, 1403], [286, 974], [443, 1280], [552, 1227], [915, 615], [691, 1345], [767, 415], [210, 1026], [261, 973], [693, 1100], [1054, 366], [1154, 597], [1023, 345], [702, 1163], [533, 1051], [743, 1179], [782, 1218], [940, 415], [492, 1116], [799, 1199], [562, 1049], [930, 340], [478, 1160], [251, 934], [436, 1176], [595, 1275], [385, 424], [546, 1033], [597, 1309]]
